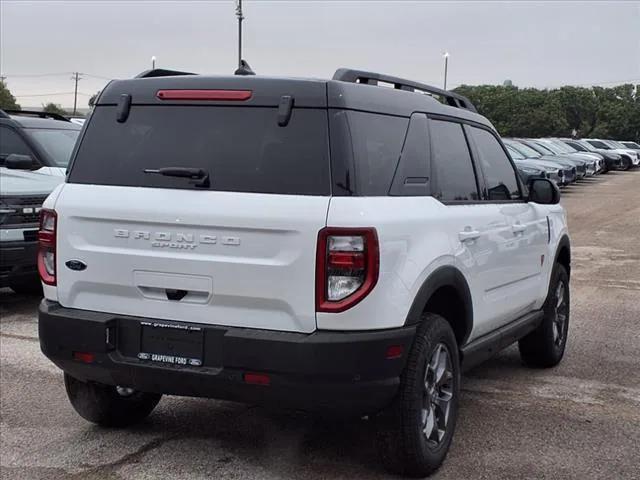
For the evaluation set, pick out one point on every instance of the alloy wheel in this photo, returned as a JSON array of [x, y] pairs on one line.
[[560, 315], [437, 395]]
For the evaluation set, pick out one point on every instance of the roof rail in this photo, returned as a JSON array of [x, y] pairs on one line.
[[371, 78], [161, 72], [40, 114]]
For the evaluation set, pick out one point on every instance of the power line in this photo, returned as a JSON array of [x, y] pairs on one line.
[[51, 94], [41, 75], [96, 76], [35, 75]]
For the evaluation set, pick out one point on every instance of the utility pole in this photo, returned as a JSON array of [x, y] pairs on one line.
[[77, 78], [240, 19], [446, 66]]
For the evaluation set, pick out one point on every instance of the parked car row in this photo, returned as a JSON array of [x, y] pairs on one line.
[[567, 160]]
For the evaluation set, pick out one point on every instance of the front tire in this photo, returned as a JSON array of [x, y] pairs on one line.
[[415, 433], [107, 405], [544, 347]]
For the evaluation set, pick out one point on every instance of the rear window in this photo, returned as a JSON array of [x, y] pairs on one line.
[[242, 148]]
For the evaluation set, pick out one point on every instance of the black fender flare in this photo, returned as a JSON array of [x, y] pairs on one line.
[[563, 243], [445, 276]]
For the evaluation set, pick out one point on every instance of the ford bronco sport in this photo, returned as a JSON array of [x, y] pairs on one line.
[[325, 245]]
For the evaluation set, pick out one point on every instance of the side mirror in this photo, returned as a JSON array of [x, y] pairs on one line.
[[20, 162], [543, 191]]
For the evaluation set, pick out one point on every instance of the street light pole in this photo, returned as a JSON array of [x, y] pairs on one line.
[[240, 18], [446, 67]]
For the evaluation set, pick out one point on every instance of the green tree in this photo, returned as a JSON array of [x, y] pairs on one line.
[[599, 112], [93, 98], [54, 108], [7, 100]]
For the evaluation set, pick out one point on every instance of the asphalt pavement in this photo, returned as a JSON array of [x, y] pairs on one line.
[[580, 420]]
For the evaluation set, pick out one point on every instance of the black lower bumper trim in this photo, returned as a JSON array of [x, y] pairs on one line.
[[345, 372], [18, 262]]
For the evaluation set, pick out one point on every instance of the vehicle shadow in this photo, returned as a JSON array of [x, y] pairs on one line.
[[223, 437], [16, 303]]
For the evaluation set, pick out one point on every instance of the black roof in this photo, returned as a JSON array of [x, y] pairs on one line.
[[307, 92]]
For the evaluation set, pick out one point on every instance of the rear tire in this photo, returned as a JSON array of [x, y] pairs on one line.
[[105, 406], [544, 347], [415, 433]]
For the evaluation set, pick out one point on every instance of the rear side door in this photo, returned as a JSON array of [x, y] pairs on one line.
[[480, 234], [238, 251], [523, 256]]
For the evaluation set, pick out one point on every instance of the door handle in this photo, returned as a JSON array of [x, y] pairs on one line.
[[468, 235], [518, 228]]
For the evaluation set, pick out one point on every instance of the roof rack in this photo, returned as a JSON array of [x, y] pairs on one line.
[[34, 113], [161, 72], [371, 78]]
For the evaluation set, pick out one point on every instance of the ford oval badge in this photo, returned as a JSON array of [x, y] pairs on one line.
[[76, 265]]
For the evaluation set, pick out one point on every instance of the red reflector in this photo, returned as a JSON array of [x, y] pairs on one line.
[[394, 351], [84, 357], [212, 95], [348, 260], [257, 379]]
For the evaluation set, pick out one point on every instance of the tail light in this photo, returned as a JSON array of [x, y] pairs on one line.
[[347, 267], [47, 247]]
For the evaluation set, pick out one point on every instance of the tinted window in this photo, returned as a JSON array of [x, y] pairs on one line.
[[243, 149], [376, 144], [577, 146], [57, 143], [11, 142], [451, 164], [412, 175], [599, 144], [500, 177]]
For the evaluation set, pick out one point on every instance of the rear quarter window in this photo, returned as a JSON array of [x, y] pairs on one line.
[[242, 148], [376, 143]]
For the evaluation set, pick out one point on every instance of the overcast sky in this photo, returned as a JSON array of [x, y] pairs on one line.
[[541, 44]]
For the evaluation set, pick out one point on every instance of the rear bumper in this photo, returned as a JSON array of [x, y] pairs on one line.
[[18, 262], [340, 372]]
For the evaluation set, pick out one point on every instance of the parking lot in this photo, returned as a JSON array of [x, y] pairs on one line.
[[579, 420]]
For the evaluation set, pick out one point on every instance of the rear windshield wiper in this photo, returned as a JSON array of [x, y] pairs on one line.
[[199, 176]]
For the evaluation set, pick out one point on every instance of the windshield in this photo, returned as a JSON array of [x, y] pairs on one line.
[[515, 154], [525, 150], [563, 146], [57, 143], [599, 144], [633, 145], [540, 148], [587, 145], [575, 145], [550, 146]]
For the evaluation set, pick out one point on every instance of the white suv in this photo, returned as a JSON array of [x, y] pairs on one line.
[[320, 245]]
